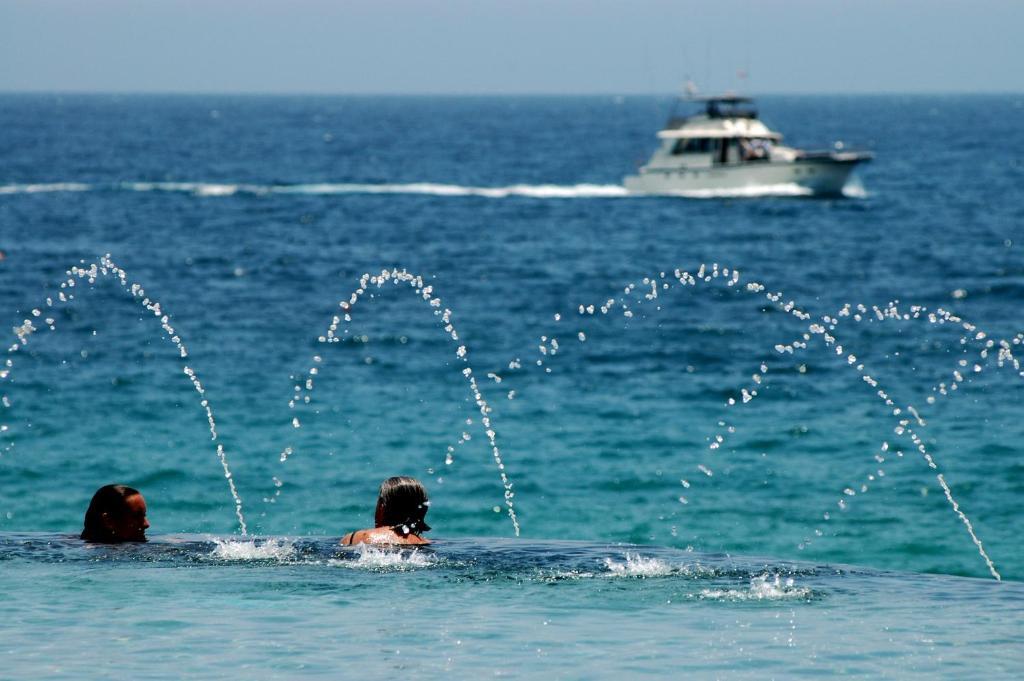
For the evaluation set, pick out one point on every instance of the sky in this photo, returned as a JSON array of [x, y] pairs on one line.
[[525, 46]]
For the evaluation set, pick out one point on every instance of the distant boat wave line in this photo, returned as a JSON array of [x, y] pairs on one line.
[[537, 191]]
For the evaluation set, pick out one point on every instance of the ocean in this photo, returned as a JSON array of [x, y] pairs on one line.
[[727, 437]]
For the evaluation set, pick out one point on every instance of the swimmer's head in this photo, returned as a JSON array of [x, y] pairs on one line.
[[402, 505], [117, 513]]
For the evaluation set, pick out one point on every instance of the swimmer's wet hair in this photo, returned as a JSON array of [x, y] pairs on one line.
[[403, 503], [109, 499]]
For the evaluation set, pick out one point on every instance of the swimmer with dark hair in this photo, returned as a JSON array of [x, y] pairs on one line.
[[399, 519], [117, 513]]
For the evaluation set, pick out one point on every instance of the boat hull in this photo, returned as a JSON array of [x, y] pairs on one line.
[[819, 176]]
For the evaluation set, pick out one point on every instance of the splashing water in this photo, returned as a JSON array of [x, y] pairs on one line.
[[636, 565], [108, 269], [252, 549], [373, 558], [762, 588], [303, 390]]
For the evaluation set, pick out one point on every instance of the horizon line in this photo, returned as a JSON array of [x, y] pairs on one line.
[[327, 93]]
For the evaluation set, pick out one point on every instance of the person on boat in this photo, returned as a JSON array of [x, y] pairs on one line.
[[399, 519], [117, 513]]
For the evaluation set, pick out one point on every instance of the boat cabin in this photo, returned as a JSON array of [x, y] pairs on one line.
[[726, 132]]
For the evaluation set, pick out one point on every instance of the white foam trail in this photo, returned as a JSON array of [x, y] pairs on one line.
[[539, 191], [215, 189], [854, 189], [372, 558], [44, 187], [785, 189], [762, 588], [536, 191], [196, 188], [636, 565], [235, 549]]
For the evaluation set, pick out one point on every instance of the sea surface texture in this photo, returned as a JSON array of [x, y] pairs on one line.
[[752, 436]]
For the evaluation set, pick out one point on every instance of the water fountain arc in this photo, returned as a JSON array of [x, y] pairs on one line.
[[417, 285], [821, 331], [107, 268]]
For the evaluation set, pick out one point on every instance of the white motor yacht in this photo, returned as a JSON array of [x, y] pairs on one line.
[[726, 150]]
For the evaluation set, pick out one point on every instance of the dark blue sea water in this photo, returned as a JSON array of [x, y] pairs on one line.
[[248, 219]]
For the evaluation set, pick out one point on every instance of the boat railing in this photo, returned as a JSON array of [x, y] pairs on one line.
[[840, 156], [712, 112]]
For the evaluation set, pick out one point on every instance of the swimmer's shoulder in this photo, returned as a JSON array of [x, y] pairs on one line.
[[357, 537], [373, 535], [383, 537], [416, 540]]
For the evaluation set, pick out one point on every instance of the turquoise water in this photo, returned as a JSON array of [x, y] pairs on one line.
[[249, 219]]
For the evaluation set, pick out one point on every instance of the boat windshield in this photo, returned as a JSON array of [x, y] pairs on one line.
[[694, 145], [726, 149]]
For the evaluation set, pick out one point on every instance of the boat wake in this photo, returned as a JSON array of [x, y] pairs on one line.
[[46, 187], [534, 191], [787, 189], [212, 189], [853, 189]]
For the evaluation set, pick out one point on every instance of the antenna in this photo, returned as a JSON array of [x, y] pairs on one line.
[[707, 63], [741, 78]]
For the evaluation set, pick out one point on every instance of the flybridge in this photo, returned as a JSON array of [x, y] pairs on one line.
[[727, 106], [718, 106]]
